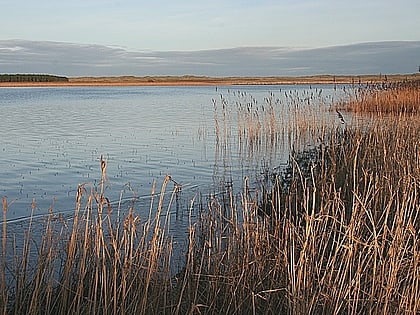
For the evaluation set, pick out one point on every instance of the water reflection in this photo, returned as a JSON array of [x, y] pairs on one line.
[[52, 139], [213, 143]]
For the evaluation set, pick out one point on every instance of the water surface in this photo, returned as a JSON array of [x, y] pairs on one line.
[[52, 139]]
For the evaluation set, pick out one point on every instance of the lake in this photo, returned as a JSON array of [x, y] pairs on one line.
[[52, 140]]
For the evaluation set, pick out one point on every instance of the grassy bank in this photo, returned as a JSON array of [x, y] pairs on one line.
[[190, 80], [335, 232], [243, 80]]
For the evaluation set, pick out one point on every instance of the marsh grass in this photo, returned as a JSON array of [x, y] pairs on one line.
[[341, 236], [96, 264], [335, 232], [384, 98], [279, 123]]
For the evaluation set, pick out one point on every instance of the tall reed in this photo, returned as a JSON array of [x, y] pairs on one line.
[[340, 237], [94, 264], [383, 98], [334, 232]]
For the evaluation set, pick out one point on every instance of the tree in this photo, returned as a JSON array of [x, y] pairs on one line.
[[31, 78]]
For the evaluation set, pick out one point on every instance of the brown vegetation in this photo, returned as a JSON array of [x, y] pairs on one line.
[[189, 80], [394, 97], [337, 232]]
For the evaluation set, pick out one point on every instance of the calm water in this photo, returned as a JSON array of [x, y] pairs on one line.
[[52, 139]]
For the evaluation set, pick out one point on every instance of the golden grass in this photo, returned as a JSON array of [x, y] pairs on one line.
[[243, 80], [288, 120], [96, 265], [340, 237], [191, 80], [337, 232], [385, 98]]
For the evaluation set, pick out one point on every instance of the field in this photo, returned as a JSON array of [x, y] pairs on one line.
[[334, 232], [203, 80]]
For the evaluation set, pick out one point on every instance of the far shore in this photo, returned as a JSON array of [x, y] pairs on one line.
[[216, 81]]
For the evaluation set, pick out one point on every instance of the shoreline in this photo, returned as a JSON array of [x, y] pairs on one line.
[[215, 81]]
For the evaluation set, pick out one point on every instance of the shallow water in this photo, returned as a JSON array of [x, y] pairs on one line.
[[52, 140]]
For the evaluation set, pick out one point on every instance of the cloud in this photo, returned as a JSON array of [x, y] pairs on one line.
[[71, 59]]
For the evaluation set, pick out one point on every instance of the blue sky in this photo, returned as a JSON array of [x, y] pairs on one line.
[[235, 37], [166, 25]]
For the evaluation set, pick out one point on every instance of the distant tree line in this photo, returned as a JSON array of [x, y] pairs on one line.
[[31, 78]]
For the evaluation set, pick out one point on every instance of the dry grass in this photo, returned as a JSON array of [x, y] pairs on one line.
[[286, 120], [337, 232], [385, 98], [99, 264], [340, 237], [205, 80], [190, 80]]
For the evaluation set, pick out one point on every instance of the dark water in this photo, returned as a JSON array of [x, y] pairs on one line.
[[52, 139]]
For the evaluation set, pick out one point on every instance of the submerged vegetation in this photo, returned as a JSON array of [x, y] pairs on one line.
[[336, 231]]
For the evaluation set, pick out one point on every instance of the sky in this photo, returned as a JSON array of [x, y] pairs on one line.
[[140, 27], [196, 25]]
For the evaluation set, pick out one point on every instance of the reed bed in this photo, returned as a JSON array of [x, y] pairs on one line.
[[337, 233], [284, 120], [99, 263], [384, 98], [334, 232]]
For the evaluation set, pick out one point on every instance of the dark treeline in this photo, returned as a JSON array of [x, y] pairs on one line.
[[31, 78]]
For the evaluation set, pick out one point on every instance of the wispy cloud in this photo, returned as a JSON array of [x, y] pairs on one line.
[[20, 56]]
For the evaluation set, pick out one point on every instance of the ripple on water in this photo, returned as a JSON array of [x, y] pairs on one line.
[[52, 139]]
